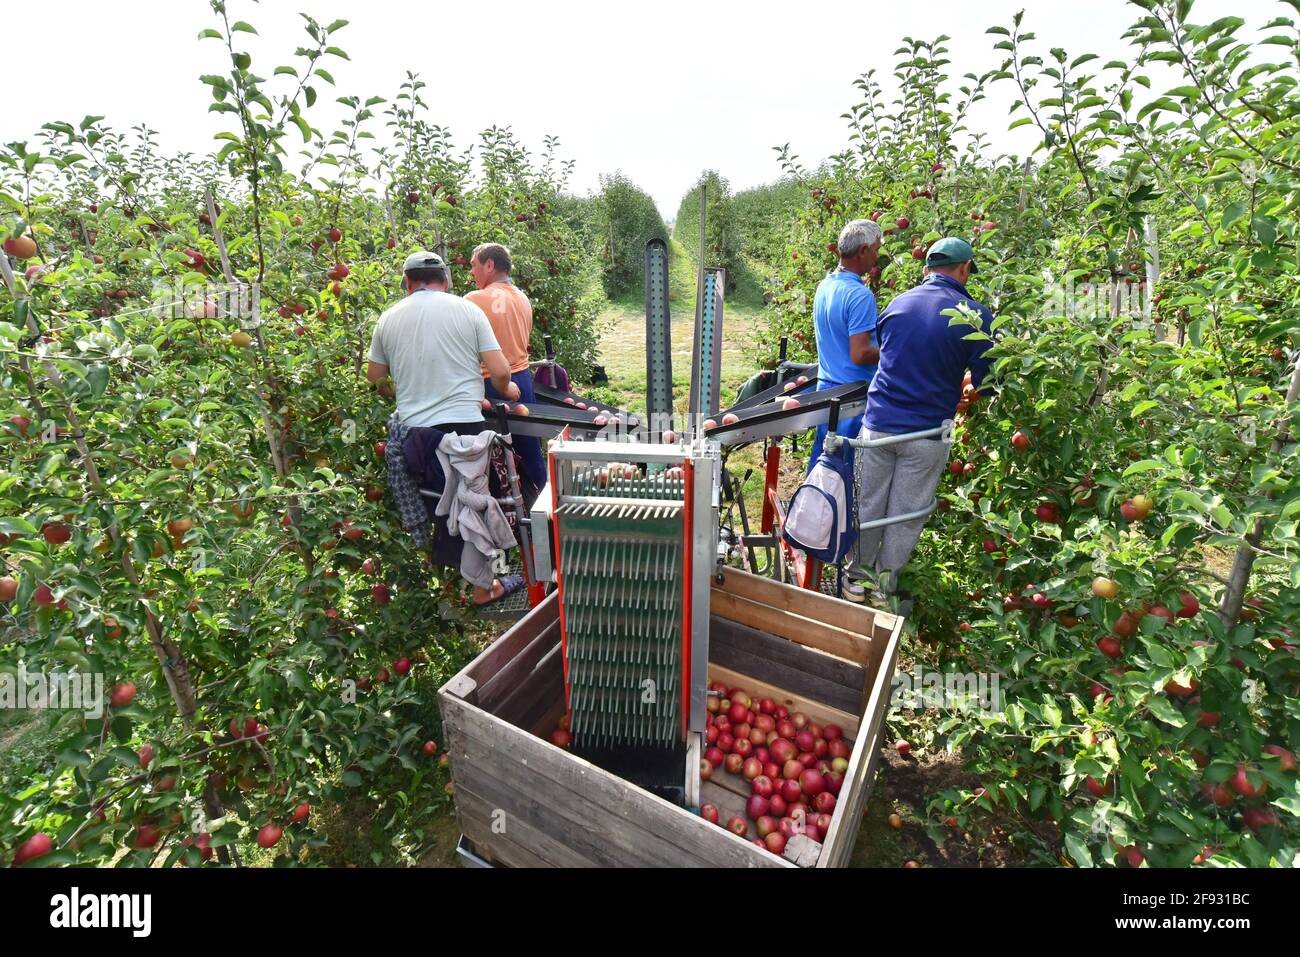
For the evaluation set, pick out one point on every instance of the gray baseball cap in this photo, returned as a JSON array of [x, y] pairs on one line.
[[423, 260]]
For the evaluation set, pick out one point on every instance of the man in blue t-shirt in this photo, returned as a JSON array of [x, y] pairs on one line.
[[923, 359], [844, 318]]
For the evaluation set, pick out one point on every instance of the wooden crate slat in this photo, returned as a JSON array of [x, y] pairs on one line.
[[833, 668], [512, 676], [521, 845], [806, 631], [541, 693], [514, 640], [862, 763], [813, 709], [750, 660], [860, 619], [616, 809], [565, 817]]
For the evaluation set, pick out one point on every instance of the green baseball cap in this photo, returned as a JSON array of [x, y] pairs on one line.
[[950, 252]]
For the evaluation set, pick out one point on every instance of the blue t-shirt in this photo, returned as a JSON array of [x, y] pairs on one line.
[[842, 307], [923, 359]]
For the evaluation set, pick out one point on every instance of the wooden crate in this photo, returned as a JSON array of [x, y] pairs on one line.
[[523, 802]]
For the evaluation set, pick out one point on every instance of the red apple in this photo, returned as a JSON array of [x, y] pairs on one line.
[[790, 790], [738, 826], [1243, 785], [123, 694], [812, 782], [1258, 818], [775, 842], [710, 813], [1287, 760], [762, 786], [903, 747], [1110, 647], [733, 763], [751, 769], [38, 845], [782, 749], [1099, 790], [757, 806]]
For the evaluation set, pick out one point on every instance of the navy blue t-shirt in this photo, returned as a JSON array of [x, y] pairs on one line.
[[923, 359], [842, 307]]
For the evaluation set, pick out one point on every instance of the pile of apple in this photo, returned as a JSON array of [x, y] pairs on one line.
[[794, 766]]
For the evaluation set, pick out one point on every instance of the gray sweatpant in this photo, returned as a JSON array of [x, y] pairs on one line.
[[894, 480]]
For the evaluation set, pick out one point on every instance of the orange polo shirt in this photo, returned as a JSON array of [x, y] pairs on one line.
[[511, 316]]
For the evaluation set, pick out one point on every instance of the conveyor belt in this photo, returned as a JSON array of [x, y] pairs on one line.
[[767, 419]]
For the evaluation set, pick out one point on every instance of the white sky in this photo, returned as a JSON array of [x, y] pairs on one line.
[[660, 91]]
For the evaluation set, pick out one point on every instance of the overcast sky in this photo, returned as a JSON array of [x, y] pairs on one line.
[[660, 91]]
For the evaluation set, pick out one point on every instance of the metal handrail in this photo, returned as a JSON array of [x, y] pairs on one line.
[[834, 441]]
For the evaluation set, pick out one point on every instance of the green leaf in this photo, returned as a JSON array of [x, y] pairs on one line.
[[1146, 465], [1077, 850], [1265, 230], [16, 526], [209, 34], [1166, 712], [242, 27]]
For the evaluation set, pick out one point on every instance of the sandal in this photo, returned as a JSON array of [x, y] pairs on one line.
[[509, 585]]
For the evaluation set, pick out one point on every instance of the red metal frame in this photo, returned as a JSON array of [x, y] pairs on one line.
[[807, 571], [688, 470]]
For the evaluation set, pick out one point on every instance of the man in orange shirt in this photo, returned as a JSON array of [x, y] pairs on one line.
[[511, 316]]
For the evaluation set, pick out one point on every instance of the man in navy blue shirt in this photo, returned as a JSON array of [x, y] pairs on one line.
[[923, 359], [844, 318]]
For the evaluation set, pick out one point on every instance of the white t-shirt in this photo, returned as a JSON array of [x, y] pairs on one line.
[[431, 343]]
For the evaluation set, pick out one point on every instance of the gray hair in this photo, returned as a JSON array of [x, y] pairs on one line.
[[859, 233]]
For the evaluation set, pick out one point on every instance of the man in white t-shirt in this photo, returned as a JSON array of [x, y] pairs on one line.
[[434, 344]]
